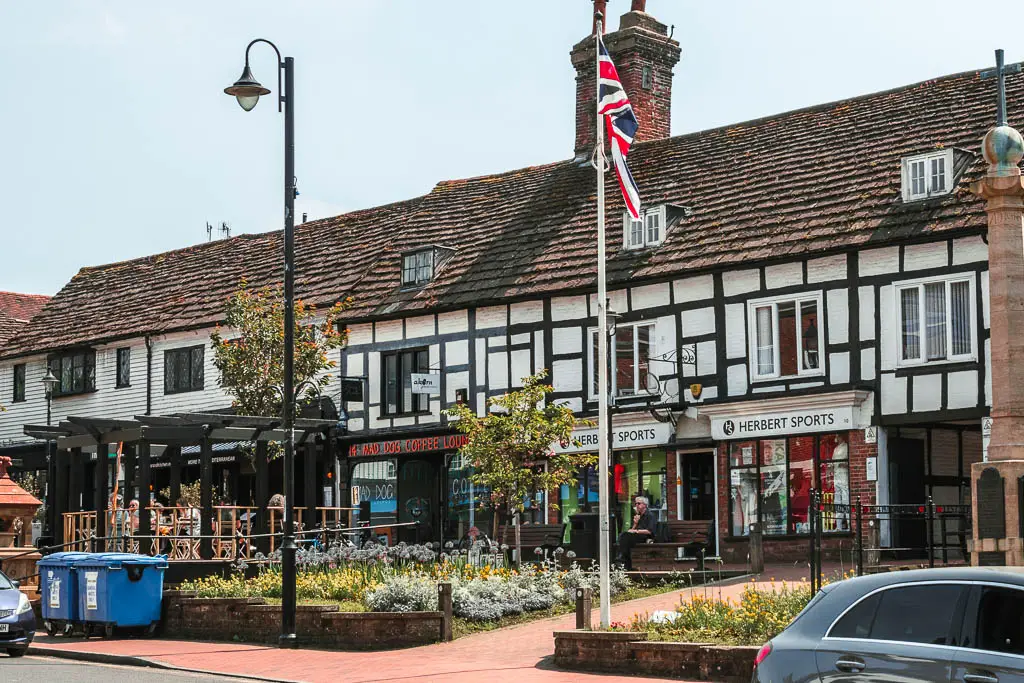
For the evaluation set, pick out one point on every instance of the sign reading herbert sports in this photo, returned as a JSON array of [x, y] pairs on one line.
[[633, 436], [420, 444], [741, 427]]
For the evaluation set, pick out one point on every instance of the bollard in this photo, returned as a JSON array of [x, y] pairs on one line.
[[584, 608], [444, 605], [756, 549], [860, 538]]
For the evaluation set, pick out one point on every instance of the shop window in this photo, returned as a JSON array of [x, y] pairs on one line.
[[631, 351], [774, 492], [377, 483], [398, 369], [770, 481], [834, 481], [579, 496], [785, 337], [469, 504], [936, 321]]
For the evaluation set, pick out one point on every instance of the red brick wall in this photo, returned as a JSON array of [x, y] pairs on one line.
[[641, 41]]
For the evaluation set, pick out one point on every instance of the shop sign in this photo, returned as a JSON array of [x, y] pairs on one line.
[[632, 436], [216, 460], [740, 427], [427, 444], [426, 383]]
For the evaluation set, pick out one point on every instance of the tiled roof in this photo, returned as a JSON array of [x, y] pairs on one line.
[[811, 181], [16, 310], [22, 306]]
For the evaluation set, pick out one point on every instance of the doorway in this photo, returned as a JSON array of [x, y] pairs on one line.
[[696, 491], [907, 487], [419, 500]]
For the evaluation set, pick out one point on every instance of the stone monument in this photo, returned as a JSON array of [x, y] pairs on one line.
[[17, 508], [995, 485]]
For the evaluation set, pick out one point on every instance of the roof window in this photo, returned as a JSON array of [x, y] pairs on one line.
[[420, 266], [927, 175]]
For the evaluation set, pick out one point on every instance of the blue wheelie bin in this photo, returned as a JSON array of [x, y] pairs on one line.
[[58, 587], [120, 590]]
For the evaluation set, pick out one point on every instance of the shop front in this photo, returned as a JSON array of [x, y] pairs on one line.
[[419, 479], [640, 466], [775, 452]]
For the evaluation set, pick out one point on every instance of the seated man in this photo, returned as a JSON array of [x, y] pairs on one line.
[[644, 525]]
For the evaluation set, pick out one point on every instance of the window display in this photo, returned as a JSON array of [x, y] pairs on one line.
[[773, 478]]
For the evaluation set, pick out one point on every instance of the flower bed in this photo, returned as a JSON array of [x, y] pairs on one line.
[[759, 615], [404, 579]]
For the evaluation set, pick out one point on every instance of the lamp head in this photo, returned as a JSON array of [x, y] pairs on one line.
[[247, 90], [50, 381]]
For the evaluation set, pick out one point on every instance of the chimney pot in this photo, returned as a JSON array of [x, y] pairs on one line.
[[600, 12], [639, 6]]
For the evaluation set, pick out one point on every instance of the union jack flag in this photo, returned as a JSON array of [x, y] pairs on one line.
[[613, 104]]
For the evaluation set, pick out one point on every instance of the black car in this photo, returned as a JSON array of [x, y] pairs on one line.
[[934, 625], [17, 620]]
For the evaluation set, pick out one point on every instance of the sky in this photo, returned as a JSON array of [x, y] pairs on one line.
[[116, 140]]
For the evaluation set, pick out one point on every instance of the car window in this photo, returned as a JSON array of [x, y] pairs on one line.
[[856, 623], [5, 582], [1000, 626], [917, 614]]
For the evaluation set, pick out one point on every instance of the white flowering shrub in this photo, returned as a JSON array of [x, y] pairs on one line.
[[403, 593]]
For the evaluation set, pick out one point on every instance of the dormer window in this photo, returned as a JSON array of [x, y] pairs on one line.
[[420, 266], [647, 232], [927, 175]]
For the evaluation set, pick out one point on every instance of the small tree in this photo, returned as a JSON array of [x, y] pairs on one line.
[[251, 364], [508, 446]]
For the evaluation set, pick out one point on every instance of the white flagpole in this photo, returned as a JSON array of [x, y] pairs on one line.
[[604, 554]]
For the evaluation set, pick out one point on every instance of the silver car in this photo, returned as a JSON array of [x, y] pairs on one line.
[[932, 625]]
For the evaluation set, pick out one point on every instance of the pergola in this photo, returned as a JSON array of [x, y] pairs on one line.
[[138, 435]]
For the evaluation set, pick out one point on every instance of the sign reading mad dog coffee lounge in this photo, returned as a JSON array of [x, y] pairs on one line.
[[739, 427], [425, 444]]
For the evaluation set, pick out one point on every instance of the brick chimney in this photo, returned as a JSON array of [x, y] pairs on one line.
[[644, 56]]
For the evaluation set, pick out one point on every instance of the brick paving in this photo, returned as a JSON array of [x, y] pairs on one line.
[[519, 653]]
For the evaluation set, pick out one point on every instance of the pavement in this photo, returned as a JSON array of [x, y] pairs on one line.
[[521, 653]]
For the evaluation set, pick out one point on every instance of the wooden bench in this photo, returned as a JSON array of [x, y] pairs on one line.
[[693, 535], [544, 536]]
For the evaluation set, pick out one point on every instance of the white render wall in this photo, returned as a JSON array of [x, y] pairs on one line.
[[703, 318]]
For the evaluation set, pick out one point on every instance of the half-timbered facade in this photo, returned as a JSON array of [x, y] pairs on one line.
[[804, 306]]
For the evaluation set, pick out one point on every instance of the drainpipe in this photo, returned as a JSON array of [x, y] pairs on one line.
[[149, 375]]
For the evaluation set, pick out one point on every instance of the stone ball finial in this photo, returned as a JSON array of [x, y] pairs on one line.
[[1003, 148]]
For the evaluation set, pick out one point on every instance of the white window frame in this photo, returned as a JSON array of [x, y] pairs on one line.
[[972, 316], [592, 368], [929, 190], [657, 213], [774, 302], [427, 255]]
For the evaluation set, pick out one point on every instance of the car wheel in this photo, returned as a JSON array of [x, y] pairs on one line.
[[16, 653]]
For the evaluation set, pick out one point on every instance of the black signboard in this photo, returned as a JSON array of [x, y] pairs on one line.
[[995, 559], [991, 505], [352, 389]]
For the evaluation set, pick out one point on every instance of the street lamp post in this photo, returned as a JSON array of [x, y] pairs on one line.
[[50, 382], [247, 90]]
